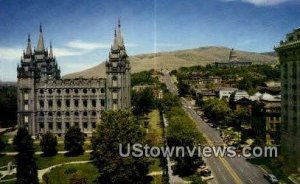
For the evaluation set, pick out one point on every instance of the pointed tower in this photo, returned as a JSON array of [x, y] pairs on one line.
[[26, 86], [118, 86], [28, 49], [51, 51], [40, 45]]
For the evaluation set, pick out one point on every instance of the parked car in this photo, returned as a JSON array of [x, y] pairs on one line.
[[206, 175], [271, 178]]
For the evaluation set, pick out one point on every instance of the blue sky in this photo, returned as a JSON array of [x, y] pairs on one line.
[[82, 31]]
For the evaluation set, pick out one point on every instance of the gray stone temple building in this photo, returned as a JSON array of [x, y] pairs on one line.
[[46, 102]]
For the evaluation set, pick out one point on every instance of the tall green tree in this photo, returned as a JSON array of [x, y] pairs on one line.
[[118, 128], [143, 101], [74, 140], [48, 144], [8, 106], [26, 165]]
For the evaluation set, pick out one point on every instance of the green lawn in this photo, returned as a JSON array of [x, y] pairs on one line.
[[44, 162], [61, 175], [155, 128], [37, 147]]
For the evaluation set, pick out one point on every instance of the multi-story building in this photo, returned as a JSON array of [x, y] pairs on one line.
[[46, 102], [266, 119], [289, 56], [233, 61]]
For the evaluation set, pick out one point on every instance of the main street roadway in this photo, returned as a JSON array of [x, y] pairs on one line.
[[225, 170]]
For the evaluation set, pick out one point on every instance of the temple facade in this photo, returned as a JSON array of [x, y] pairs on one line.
[[46, 102]]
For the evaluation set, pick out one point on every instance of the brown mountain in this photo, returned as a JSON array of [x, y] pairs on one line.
[[176, 59]]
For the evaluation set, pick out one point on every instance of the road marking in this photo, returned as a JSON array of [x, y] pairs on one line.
[[236, 178]]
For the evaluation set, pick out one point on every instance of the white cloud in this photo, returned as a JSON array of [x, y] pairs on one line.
[[261, 2], [78, 44], [7, 53]]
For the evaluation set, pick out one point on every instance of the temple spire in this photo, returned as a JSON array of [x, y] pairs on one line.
[[51, 51], [40, 45], [28, 49], [119, 35]]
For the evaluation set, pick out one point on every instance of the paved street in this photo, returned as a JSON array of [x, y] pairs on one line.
[[225, 170]]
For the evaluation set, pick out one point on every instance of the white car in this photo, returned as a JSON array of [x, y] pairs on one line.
[[271, 178]]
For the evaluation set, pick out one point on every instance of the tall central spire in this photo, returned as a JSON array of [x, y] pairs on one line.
[[119, 35], [40, 45], [28, 49]]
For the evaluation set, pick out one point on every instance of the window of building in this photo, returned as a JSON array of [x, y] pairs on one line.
[[93, 90], [76, 124], [68, 103], [25, 96], [115, 106], [50, 91], [58, 103], [85, 113], [114, 95], [85, 125], [26, 106], [76, 113], [85, 103], [58, 125], [67, 91], [102, 90], [94, 103], [76, 90], [58, 114], [67, 125], [50, 114], [41, 91], [26, 119], [67, 113], [58, 91], [84, 90], [114, 81], [76, 103], [94, 113], [41, 125], [42, 103], [41, 114], [102, 102], [50, 125], [93, 124], [50, 103]]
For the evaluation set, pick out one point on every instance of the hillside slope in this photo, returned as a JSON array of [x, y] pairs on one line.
[[177, 59]]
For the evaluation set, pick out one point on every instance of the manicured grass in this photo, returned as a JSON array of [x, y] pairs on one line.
[[44, 162], [60, 147], [61, 175], [155, 127]]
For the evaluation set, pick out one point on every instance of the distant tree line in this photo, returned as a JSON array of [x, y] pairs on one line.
[[8, 106]]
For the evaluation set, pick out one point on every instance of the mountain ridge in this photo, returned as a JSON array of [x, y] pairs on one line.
[[180, 58]]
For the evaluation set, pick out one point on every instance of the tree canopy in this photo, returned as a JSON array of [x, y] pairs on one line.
[[118, 127], [74, 140], [26, 165]]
